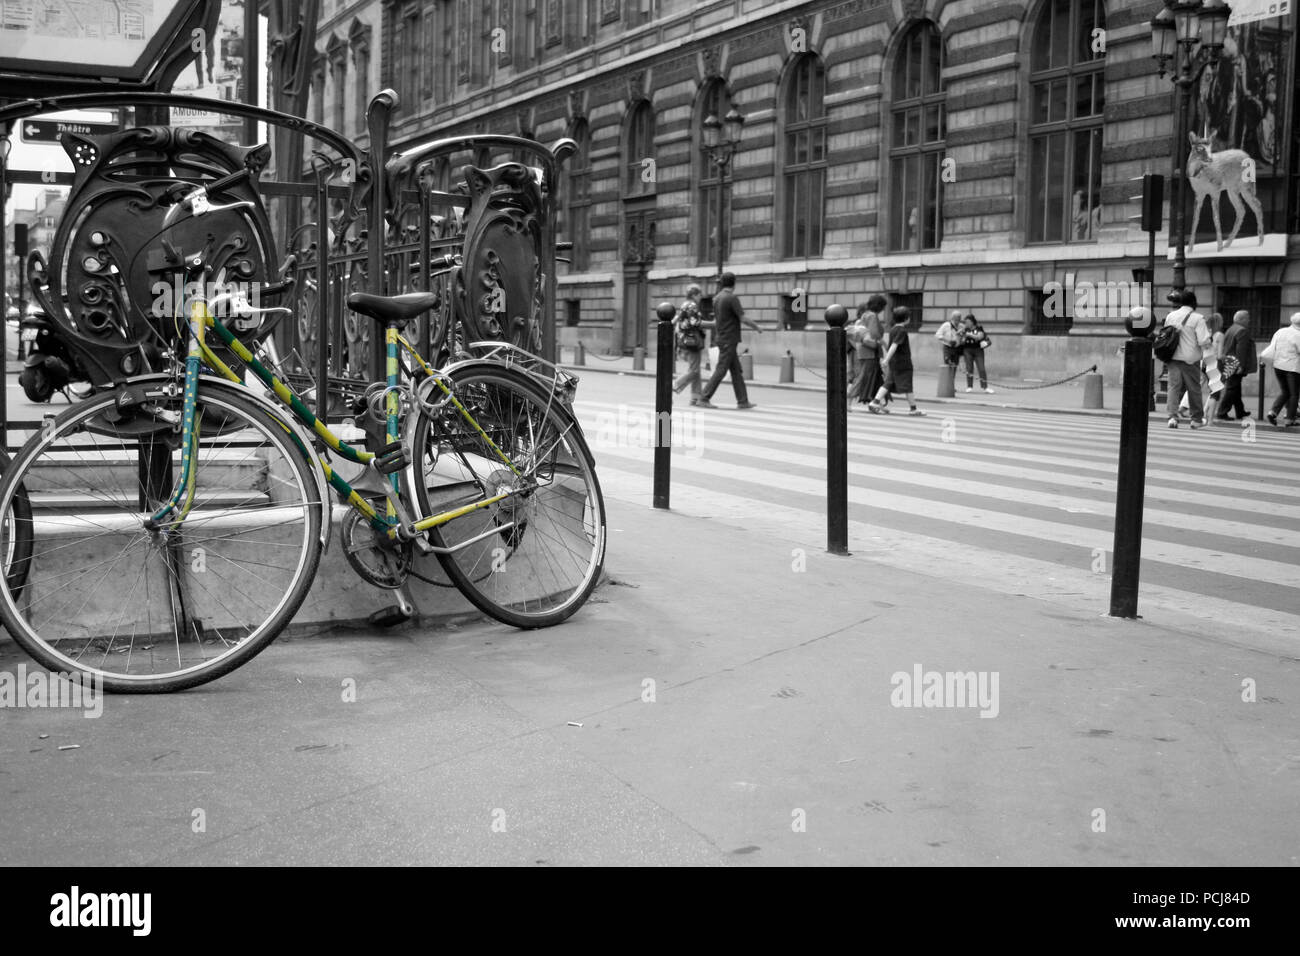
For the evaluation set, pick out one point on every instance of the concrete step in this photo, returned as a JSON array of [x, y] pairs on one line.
[[83, 502]]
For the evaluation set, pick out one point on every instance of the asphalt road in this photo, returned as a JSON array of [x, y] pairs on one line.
[[730, 696]]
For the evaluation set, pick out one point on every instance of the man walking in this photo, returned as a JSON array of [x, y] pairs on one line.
[[1185, 366], [728, 316], [1237, 362]]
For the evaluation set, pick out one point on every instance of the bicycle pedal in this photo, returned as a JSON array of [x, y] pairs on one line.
[[391, 458], [390, 616]]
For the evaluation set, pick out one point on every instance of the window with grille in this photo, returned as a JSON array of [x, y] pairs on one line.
[[1067, 95], [1041, 316], [918, 129], [912, 302]]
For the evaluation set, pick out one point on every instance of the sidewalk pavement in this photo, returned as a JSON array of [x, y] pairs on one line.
[[729, 696], [1027, 395]]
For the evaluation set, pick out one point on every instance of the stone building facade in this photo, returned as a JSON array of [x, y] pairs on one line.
[[954, 154]]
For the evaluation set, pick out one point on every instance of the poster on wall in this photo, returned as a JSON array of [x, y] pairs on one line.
[[1239, 146]]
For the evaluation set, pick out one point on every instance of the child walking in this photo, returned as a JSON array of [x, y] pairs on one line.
[[897, 363]]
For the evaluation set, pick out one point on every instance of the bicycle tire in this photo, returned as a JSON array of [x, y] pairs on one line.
[[483, 572], [16, 532], [211, 590]]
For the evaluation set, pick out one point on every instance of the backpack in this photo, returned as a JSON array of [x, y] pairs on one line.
[[689, 334], [1165, 342]]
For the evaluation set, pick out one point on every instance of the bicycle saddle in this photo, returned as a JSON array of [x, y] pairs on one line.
[[392, 308]]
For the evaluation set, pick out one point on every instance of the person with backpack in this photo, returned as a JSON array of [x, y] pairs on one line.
[[1181, 344], [1235, 363], [690, 342], [974, 340]]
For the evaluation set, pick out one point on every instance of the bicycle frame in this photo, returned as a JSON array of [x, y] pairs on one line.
[[389, 523]]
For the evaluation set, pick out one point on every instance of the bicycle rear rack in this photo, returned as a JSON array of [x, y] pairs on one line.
[[560, 382]]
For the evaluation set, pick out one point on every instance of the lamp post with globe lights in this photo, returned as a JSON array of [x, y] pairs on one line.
[[720, 150]]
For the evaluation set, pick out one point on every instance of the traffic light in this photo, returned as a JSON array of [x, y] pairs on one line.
[[1152, 200], [20, 240]]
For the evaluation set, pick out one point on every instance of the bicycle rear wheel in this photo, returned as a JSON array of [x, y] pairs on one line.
[[532, 559], [154, 610]]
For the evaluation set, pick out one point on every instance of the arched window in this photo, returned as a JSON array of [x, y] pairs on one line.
[[579, 198], [917, 142], [639, 152], [1066, 99], [714, 100], [803, 158]]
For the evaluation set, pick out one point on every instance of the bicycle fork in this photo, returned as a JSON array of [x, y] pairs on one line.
[[182, 499]]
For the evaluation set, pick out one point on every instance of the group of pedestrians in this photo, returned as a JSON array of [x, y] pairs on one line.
[[1205, 370], [728, 317], [964, 340], [1209, 364], [882, 365]]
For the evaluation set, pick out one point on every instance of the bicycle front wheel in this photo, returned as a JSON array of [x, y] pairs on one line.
[[16, 534], [153, 609], [533, 558]]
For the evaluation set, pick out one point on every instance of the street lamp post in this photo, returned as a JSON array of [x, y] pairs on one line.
[[1186, 37], [720, 151]]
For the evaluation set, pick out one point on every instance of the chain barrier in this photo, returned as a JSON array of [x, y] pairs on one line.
[[588, 353], [813, 371], [1030, 388]]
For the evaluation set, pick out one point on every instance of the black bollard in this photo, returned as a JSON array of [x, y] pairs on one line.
[[1130, 487], [837, 434], [663, 429]]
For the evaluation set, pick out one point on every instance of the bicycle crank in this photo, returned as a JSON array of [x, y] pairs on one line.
[[384, 562]]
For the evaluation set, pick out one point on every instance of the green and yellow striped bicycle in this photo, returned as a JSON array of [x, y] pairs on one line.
[[177, 521]]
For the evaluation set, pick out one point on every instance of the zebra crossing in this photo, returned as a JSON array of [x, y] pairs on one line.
[[1016, 501]]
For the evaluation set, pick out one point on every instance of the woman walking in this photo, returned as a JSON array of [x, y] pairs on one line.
[[690, 342], [1283, 353], [869, 336], [974, 340]]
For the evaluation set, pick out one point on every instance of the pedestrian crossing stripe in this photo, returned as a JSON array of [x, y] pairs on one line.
[[1052, 486], [1076, 587], [989, 459], [1168, 477]]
